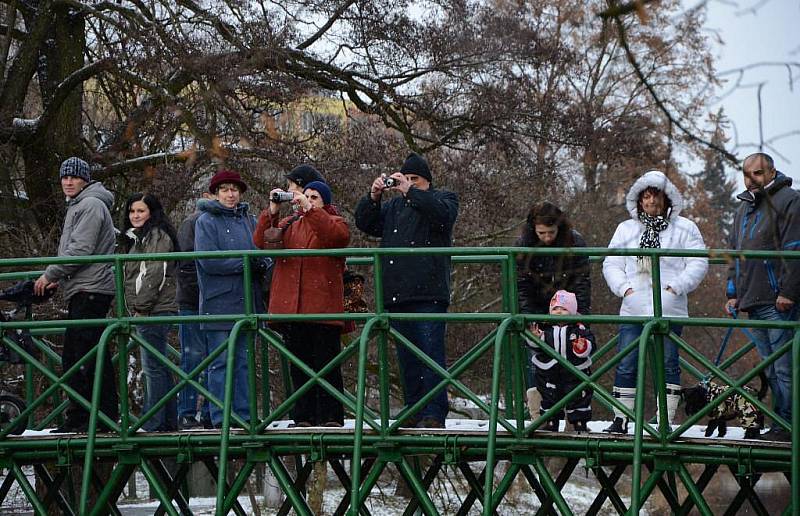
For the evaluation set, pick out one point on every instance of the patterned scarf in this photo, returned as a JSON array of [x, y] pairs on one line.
[[650, 237]]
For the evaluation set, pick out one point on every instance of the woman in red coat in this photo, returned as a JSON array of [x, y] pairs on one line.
[[310, 285]]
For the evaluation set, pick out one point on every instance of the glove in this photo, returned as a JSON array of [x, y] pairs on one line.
[[580, 346], [261, 265]]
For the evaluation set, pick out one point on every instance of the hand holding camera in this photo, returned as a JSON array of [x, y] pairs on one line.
[[277, 197], [396, 181]]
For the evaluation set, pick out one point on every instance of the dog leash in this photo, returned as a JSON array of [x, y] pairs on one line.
[[727, 338]]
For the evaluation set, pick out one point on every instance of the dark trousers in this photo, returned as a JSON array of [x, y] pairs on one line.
[[79, 341], [316, 345], [554, 384], [418, 379]]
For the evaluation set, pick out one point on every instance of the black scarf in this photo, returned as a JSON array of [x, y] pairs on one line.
[[652, 227]]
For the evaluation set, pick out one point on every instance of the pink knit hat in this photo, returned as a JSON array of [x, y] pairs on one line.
[[566, 300]]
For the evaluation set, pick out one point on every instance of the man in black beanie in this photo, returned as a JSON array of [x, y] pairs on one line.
[[420, 217], [300, 176]]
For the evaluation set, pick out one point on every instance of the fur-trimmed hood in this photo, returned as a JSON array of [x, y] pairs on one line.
[[215, 207], [658, 180]]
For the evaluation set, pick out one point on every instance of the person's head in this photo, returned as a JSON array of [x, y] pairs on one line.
[[759, 171], [547, 225], [563, 303], [298, 179], [74, 175], [653, 202], [138, 212], [143, 211], [318, 194], [417, 171], [228, 187]]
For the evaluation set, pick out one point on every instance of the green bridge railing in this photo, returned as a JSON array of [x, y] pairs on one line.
[[378, 431]]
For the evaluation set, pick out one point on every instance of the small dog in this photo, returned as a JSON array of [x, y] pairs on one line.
[[735, 405]]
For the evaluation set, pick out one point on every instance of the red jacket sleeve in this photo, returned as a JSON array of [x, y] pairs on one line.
[[331, 231], [265, 221]]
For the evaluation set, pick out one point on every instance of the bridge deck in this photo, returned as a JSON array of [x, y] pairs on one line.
[[454, 427]]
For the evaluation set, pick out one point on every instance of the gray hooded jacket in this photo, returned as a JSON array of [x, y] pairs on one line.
[[88, 230]]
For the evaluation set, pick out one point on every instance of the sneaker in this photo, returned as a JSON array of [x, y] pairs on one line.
[[189, 423], [777, 433], [300, 424], [333, 424], [430, 422], [618, 426]]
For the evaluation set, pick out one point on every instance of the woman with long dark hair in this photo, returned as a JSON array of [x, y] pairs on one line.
[[540, 277], [150, 291]]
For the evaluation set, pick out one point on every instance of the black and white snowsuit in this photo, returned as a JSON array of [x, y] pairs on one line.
[[553, 380]]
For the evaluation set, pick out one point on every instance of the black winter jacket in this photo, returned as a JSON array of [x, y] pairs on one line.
[[539, 277], [766, 220], [562, 339], [188, 292], [422, 218]]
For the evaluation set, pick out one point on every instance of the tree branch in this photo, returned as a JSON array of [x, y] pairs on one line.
[[661, 106], [66, 87], [334, 17]]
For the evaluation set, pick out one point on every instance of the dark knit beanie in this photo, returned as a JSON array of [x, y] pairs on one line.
[[75, 167], [416, 164], [323, 189], [226, 176], [304, 174]]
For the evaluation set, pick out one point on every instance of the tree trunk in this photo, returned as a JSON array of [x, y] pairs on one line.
[[60, 55]]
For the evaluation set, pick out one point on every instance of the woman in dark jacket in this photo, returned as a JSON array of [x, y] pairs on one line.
[[310, 285], [226, 225], [150, 291], [539, 277]]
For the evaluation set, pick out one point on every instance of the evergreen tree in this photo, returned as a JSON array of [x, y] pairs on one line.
[[721, 189]]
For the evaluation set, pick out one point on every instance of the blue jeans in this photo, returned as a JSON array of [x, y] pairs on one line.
[[419, 380], [767, 341], [629, 365], [216, 375], [157, 378], [194, 348]]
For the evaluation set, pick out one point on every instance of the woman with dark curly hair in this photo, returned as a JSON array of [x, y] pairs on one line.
[[150, 291], [540, 277]]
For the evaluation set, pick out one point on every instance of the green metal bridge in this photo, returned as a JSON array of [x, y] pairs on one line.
[[662, 460]]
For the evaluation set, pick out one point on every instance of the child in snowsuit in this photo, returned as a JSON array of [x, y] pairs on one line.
[[575, 342]]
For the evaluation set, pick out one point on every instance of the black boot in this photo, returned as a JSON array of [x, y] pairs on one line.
[[580, 426], [618, 426], [551, 425]]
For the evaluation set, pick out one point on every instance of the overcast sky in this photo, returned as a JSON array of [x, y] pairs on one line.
[[761, 31]]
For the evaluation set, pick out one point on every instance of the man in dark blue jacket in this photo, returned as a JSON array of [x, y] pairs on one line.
[[194, 347], [421, 217], [768, 290]]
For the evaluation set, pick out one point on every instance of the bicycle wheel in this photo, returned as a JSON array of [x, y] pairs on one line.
[[10, 408]]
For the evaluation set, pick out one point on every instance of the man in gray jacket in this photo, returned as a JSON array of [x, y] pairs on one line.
[[768, 290], [87, 288]]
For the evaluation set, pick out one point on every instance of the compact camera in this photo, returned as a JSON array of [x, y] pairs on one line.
[[389, 182], [281, 196]]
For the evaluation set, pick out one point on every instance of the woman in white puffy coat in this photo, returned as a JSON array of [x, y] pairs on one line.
[[654, 204]]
